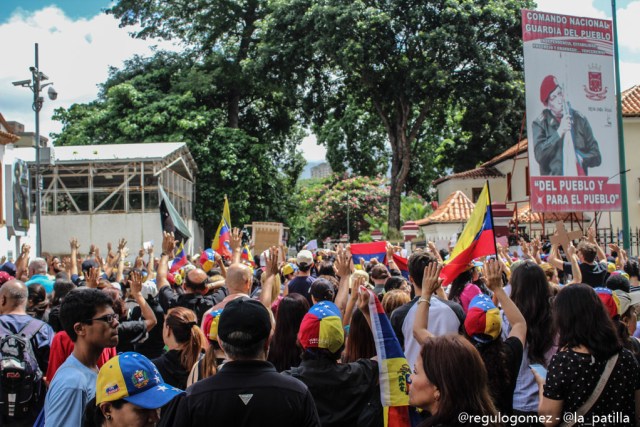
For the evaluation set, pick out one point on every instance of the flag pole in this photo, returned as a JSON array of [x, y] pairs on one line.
[[495, 244], [621, 157]]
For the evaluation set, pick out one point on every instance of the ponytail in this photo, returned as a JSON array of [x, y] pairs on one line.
[[184, 327]]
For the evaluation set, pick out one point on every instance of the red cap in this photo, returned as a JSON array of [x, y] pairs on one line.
[[549, 84]]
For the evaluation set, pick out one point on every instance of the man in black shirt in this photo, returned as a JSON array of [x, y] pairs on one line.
[[247, 390]]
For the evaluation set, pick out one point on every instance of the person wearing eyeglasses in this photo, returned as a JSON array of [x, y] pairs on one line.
[[89, 320]]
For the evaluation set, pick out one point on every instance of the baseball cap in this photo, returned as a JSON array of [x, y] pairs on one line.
[[149, 289], [9, 268], [132, 377], [89, 264], [5, 277], [610, 301], [287, 269], [379, 271], [210, 324], [322, 328], [247, 316], [305, 257], [483, 322], [627, 299], [549, 84], [207, 259]]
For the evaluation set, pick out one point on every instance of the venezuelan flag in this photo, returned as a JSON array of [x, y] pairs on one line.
[[221, 239], [180, 260], [394, 370], [477, 239], [368, 251], [246, 255], [403, 265]]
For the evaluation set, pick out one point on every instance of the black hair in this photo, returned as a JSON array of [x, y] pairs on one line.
[[61, 288], [581, 319], [394, 282], [417, 263], [93, 416], [326, 269], [322, 290], [632, 268], [618, 282], [304, 267], [80, 305], [458, 285]]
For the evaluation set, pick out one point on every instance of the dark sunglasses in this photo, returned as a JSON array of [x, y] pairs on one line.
[[108, 318]]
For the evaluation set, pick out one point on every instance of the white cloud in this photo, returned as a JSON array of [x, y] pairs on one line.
[[76, 56], [628, 28], [311, 150]]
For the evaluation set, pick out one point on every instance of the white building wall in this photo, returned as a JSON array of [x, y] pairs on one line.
[[497, 186], [100, 229], [631, 127]]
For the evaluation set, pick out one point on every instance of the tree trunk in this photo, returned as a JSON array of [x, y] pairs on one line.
[[400, 161], [233, 109]]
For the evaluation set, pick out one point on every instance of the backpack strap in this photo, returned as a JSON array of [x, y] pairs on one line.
[[31, 329]]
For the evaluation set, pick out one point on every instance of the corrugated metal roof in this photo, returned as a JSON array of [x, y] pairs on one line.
[[106, 153]]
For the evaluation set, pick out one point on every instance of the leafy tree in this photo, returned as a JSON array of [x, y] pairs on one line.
[[326, 206], [404, 61], [169, 98]]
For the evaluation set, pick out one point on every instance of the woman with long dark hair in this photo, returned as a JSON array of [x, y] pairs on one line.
[[592, 374], [482, 326], [450, 378], [186, 344], [359, 341], [531, 292], [283, 351]]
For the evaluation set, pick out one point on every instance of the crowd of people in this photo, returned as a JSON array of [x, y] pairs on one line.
[[535, 335]]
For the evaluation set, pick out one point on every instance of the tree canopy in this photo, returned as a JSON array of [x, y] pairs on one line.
[[406, 63]]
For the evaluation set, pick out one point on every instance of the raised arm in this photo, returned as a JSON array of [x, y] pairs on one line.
[[22, 263], [434, 251], [514, 316], [223, 269], [353, 299], [554, 258], [343, 265], [576, 274], [235, 241], [74, 246], [431, 281], [591, 237], [168, 248], [151, 267], [135, 283], [266, 296]]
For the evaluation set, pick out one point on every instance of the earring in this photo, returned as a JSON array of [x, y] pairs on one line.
[[437, 396], [109, 417]]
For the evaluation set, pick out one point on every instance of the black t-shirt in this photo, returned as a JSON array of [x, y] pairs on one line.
[[573, 376], [244, 393], [130, 332], [341, 391], [514, 351], [301, 285], [153, 346], [593, 275], [171, 370]]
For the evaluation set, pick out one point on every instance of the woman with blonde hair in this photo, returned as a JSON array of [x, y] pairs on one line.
[[394, 299], [186, 343]]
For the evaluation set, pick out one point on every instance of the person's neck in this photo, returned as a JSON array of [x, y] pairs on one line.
[[304, 273], [14, 310], [87, 354], [633, 281], [556, 114]]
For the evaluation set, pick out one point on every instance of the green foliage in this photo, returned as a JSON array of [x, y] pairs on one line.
[[324, 206], [410, 64]]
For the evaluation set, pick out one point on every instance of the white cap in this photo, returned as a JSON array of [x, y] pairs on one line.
[[305, 257]]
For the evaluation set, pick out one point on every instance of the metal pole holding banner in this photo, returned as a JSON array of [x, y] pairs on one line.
[[623, 167]]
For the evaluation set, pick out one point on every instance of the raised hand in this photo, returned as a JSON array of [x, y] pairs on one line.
[[272, 261], [92, 278], [135, 283], [343, 263], [235, 241], [168, 244], [493, 275], [431, 280]]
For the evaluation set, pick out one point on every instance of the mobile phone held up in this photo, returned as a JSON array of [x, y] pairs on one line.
[[540, 370]]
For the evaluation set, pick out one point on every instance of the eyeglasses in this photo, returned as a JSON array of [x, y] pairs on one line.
[[108, 318]]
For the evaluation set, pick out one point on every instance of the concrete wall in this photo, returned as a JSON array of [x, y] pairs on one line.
[[99, 229], [498, 188], [631, 126]]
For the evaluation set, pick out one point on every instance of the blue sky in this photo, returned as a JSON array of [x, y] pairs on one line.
[[78, 44]]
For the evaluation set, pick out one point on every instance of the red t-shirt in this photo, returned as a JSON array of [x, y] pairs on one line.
[[62, 347]]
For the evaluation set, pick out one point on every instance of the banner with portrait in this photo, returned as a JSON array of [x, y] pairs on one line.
[[18, 190], [571, 113]]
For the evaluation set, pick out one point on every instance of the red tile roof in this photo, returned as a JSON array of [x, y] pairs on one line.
[[525, 216], [457, 208], [6, 136], [509, 153], [481, 172], [631, 102]]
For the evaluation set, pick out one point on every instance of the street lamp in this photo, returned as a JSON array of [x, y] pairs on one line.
[[36, 86]]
